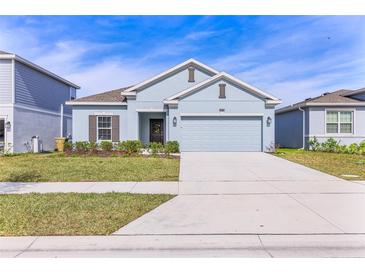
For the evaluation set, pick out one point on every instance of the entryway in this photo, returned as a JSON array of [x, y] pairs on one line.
[[2, 134]]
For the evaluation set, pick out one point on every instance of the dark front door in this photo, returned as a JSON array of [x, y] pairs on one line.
[[2, 133], [156, 130]]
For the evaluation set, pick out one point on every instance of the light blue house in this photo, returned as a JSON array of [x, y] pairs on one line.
[[31, 104], [201, 108], [339, 114]]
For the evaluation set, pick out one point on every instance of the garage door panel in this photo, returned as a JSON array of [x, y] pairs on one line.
[[221, 134]]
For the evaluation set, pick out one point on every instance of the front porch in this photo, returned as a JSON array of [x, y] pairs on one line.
[[152, 126]]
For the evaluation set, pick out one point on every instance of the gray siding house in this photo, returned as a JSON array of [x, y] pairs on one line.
[[339, 114], [31, 104], [192, 103]]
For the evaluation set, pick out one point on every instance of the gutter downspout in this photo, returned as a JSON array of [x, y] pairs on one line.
[[61, 124], [303, 111]]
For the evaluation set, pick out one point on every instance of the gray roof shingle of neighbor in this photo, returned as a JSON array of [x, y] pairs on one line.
[[338, 96], [4, 52], [107, 96]]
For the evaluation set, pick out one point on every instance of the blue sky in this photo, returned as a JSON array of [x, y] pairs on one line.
[[290, 57]]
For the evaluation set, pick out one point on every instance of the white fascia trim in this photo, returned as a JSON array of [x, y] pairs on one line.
[[334, 136], [273, 102], [169, 71], [336, 104], [150, 110], [172, 102], [227, 114], [36, 67], [71, 103], [226, 76]]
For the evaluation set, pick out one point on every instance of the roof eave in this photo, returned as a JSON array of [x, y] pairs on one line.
[[75, 103], [36, 67]]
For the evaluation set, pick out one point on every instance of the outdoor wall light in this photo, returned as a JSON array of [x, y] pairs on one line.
[[8, 125], [268, 121], [174, 121]]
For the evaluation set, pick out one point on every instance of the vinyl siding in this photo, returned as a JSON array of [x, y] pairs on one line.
[[170, 86], [6, 81], [317, 125], [289, 129], [33, 88], [80, 120]]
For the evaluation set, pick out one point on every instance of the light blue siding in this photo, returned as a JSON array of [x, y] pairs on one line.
[[33, 88], [317, 125], [289, 129], [170, 86], [80, 120], [6, 82], [221, 134]]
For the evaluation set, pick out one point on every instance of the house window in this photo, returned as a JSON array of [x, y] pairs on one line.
[[339, 121], [222, 91], [104, 128], [191, 74]]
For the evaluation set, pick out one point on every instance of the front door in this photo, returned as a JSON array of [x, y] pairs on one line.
[[156, 130], [2, 134]]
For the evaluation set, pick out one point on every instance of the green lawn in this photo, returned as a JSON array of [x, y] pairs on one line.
[[72, 213], [55, 167], [332, 163]]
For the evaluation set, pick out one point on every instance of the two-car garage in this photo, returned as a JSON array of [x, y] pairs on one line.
[[221, 133]]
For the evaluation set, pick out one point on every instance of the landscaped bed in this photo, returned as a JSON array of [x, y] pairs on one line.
[[56, 167], [338, 164], [71, 213]]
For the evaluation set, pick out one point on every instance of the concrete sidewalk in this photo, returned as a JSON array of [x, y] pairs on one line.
[[91, 187], [254, 245]]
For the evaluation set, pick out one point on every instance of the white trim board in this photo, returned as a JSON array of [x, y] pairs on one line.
[[221, 114], [72, 103], [35, 109], [150, 110], [169, 72]]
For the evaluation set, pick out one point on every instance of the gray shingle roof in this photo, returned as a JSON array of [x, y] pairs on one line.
[[105, 97], [4, 52], [336, 97]]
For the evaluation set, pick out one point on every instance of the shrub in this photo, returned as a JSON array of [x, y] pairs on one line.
[[314, 144], [106, 145], [172, 147], [68, 146], [156, 148], [352, 149], [331, 145], [130, 146], [81, 146]]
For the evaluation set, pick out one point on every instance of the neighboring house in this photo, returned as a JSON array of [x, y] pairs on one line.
[[192, 103], [31, 104], [339, 114]]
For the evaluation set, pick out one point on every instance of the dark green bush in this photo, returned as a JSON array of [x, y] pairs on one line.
[[156, 148], [130, 146], [331, 145], [68, 146], [106, 145], [172, 147]]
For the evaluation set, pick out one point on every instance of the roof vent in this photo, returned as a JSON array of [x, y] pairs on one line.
[[326, 93], [307, 99]]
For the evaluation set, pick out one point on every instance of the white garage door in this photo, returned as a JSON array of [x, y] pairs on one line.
[[221, 134]]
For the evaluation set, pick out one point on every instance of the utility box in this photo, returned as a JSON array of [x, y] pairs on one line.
[[35, 144]]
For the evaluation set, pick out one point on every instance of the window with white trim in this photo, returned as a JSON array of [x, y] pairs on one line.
[[104, 128], [339, 121]]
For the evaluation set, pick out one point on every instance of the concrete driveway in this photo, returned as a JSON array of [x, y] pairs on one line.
[[254, 193]]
